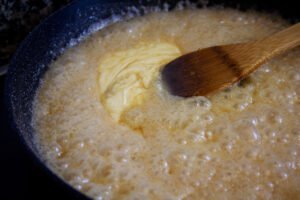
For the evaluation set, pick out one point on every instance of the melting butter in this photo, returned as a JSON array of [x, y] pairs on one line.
[[125, 76]]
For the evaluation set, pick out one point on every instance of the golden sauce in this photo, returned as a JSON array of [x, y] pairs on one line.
[[243, 143]]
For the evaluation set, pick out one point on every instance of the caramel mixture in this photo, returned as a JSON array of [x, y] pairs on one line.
[[242, 143]]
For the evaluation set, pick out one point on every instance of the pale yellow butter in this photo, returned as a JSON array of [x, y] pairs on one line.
[[125, 76]]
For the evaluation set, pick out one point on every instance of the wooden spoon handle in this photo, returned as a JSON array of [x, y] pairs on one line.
[[281, 41], [252, 55]]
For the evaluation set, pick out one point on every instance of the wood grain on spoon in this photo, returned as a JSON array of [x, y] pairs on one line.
[[207, 70]]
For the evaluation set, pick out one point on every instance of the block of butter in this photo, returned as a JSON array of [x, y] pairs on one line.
[[125, 76]]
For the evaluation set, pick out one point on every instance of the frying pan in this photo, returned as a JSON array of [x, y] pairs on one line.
[[64, 29]]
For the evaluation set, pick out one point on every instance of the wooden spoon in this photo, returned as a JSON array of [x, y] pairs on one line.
[[207, 70]]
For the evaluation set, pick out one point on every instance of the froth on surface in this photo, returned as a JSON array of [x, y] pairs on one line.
[[243, 143]]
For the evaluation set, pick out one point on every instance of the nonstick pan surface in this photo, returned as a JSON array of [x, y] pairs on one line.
[[70, 25]]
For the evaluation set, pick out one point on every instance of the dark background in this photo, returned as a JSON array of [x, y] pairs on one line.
[[20, 177], [18, 18]]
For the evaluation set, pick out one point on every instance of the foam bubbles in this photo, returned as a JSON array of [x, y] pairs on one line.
[[236, 143]]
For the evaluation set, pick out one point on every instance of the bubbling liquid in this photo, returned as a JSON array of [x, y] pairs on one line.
[[242, 143]]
